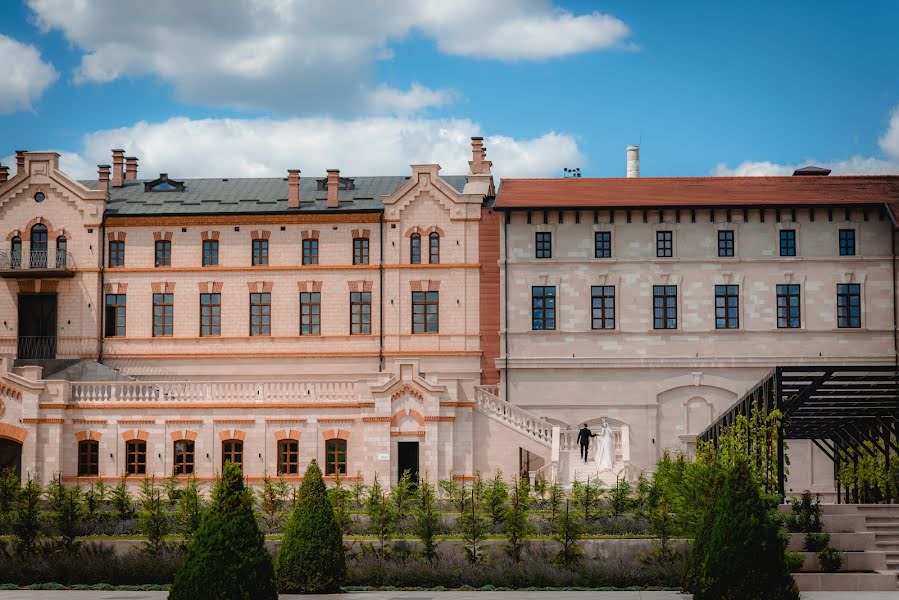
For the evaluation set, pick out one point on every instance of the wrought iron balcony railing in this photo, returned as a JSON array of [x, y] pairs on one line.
[[36, 347], [36, 263]]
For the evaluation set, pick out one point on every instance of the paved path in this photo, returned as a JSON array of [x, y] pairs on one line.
[[67, 595]]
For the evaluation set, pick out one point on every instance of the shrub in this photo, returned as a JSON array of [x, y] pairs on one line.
[[226, 558], [795, 560], [830, 560], [806, 514], [816, 542], [311, 558]]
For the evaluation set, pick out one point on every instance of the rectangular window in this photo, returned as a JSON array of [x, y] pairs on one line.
[[260, 314], [603, 243], [544, 244], [543, 307], [425, 312], [664, 244], [360, 251], [788, 242], [847, 242], [727, 306], [232, 452], [163, 253], [117, 253], [88, 458], [849, 305], [184, 457], [726, 242], [360, 313], [288, 457], [788, 306], [136, 457], [310, 313], [664, 306], [210, 315], [260, 252], [310, 251], [210, 253], [115, 315], [603, 306], [163, 314], [335, 457]]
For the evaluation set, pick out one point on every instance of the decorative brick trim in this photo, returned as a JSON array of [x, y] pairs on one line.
[[412, 230], [160, 287], [210, 287], [131, 435], [440, 419], [360, 286], [337, 420], [241, 421], [257, 287], [402, 433], [309, 234], [183, 435], [409, 412], [184, 421], [439, 231], [287, 420], [209, 235], [406, 389], [87, 435], [115, 236], [425, 285], [361, 233], [376, 419], [260, 234], [44, 421], [162, 236], [457, 404], [26, 233], [284, 434], [338, 434], [232, 434], [12, 234], [88, 421], [309, 286], [11, 432], [424, 233], [115, 288]]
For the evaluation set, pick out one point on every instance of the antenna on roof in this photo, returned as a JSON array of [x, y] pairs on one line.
[[568, 173]]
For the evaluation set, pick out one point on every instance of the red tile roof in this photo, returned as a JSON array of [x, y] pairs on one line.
[[696, 191]]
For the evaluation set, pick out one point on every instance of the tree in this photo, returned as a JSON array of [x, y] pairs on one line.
[[190, 508], [540, 487], [272, 497], [68, 515], [473, 525], [381, 517], [340, 499], [311, 558], [427, 519], [358, 491], [26, 518], [402, 494], [556, 497], [620, 497], [152, 520], [122, 504], [587, 495], [568, 530], [452, 491], [516, 524], [494, 496], [226, 558], [9, 490]]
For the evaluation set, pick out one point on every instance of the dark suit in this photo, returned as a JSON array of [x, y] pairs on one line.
[[583, 438]]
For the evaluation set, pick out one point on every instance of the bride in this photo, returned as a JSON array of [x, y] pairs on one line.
[[605, 448]]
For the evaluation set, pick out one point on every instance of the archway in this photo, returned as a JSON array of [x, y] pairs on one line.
[[11, 456]]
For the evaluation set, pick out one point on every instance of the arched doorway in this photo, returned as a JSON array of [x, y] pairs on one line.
[[10, 456]]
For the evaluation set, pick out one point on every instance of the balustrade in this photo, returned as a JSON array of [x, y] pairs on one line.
[[513, 415], [225, 391]]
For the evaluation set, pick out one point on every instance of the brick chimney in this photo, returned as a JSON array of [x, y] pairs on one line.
[[333, 188], [20, 161], [118, 168], [103, 177], [130, 168], [4, 174], [293, 188], [477, 155], [633, 161]]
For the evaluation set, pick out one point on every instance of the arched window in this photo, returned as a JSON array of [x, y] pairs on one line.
[[135, 457], [15, 253], [434, 250], [39, 246], [88, 458], [184, 457], [232, 452], [335, 457], [415, 249], [61, 245]]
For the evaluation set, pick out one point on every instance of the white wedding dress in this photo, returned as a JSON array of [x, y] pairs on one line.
[[605, 449]]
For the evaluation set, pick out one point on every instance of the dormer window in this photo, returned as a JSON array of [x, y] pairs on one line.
[[164, 184], [343, 184]]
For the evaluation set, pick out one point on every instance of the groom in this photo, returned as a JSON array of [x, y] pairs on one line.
[[583, 438]]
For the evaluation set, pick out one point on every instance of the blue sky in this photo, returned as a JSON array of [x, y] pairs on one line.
[[221, 88]]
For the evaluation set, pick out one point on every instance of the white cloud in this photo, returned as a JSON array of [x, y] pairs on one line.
[[184, 147], [855, 165], [308, 56], [25, 76]]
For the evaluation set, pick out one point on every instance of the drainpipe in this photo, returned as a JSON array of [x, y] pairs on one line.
[[895, 308], [100, 299], [506, 216], [381, 293]]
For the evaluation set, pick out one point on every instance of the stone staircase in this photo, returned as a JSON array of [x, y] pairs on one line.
[[883, 521]]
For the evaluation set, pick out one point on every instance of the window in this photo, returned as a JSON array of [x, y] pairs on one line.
[[16, 252], [544, 244], [210, 253], [425, 312], [39, 246], [603, 306], [88, 457], [726, 307], [415, 249], [788, 306], [726, 242], [664, 244], [434, 241], [232, 452], [310, 251], [603, 241], [184, 457], [310, 313], [288, 457], [115, 315], [136, 457], [788, 242], [163, 314], [335, 457], [664, 306], [163, 253], [210, 315], [849, 308], [543, 307], [847, 242], [117, 253], [260, 252], [61, 251], [260, 314], [360, 312], [360, 251]]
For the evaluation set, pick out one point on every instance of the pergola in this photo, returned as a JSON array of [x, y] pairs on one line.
[[837, 407]]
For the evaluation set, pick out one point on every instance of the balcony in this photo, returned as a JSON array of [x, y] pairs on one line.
[[37, 264]]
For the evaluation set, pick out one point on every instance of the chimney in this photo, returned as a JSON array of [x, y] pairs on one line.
[[103, 177], [477, 155], [4, 174], [633, 161], [118, 168], [333, 188], [293, 188], [20, 161], [130, 168]]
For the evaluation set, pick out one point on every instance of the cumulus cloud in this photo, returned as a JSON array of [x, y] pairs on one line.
[[855, 165], [186, 147], [25, 76], [306, 56]]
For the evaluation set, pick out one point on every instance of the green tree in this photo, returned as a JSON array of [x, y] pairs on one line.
[[451, 490], [540, 487], [427, 519], [516, 523], [620, 500], [67, 515], [226, 559], [190, 508], [494, 496], [359, 491], [569, 528], [9, 490], [340, 498], [311, 558], [588, 495], [26, 518], [122, 504], [171, 489], [272, 498], [402, 494], [152, 520], [473, 526], [382, 518], [556, 498]]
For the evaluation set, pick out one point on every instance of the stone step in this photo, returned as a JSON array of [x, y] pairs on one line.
[[852, 562], [845, 582], [847, 542]]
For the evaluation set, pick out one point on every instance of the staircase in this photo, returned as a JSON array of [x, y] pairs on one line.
[[883, 521], [487, 400]]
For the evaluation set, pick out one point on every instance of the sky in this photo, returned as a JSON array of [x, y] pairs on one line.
[[254, 87]]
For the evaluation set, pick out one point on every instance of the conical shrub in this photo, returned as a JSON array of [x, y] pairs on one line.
[[226, 558], [311, 558]]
